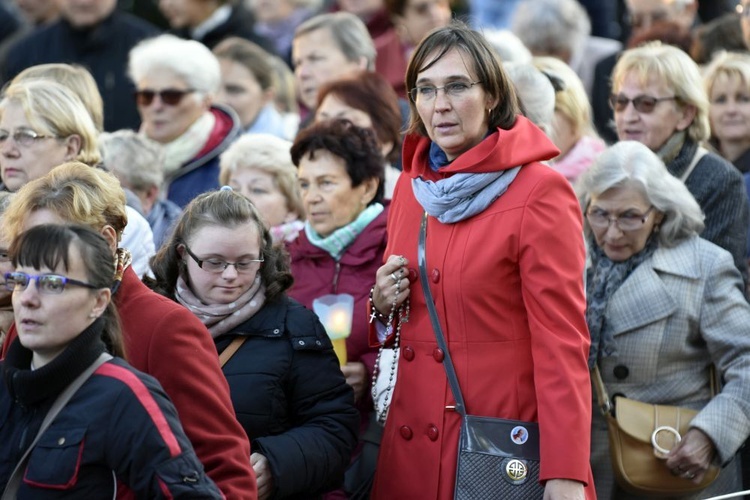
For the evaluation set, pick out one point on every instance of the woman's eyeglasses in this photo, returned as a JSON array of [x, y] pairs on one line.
[[629, 221], [641, 103], [218, 266], [170, 97], [429, 92], [23, 137], [50, 284]]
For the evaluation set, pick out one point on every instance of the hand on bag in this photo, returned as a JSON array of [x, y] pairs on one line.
[[563, 489], [692, 456], [262, 475], [392, 277], [356, 375]]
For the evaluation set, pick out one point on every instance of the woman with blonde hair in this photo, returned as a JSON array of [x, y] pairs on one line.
[[75, 77], [42, 124], [574, 132], [727, 82], [659, 100], [260, 167]]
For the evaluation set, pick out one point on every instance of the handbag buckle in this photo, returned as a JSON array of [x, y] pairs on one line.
[[660, 451]]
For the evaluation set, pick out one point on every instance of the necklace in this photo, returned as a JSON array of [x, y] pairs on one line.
[[402, 313]]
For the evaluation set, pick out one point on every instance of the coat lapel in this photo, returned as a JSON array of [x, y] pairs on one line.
[[643, 298]]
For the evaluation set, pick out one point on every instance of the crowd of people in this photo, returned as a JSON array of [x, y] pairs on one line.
[[245, 245]]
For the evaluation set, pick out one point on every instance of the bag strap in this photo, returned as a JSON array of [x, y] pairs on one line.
[[700, 153], [450, 371], [232, 348], [605, 405], [14, 483]]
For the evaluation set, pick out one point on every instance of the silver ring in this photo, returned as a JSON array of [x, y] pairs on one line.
[[394, 277]]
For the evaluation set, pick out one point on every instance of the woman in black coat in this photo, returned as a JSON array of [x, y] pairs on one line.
[[286, 385]]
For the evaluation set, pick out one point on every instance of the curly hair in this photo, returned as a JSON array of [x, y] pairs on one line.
[[225, 208], [357, 146]]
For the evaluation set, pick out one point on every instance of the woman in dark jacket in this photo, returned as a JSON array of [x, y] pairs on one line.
[[286, 386], [119, 427]]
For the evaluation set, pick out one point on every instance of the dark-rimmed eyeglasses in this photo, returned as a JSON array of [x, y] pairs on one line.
[[629, 221], [23, 137], [218, 266], [170, 97], [641, 103], [50, 284], [429, 92]]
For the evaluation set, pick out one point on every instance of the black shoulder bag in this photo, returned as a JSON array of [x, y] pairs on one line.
[[497, 458]]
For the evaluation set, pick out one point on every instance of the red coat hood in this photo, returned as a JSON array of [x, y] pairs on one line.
[[521, 144]]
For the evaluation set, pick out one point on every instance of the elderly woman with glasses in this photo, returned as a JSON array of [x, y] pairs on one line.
[[663, 306], [659, 100], [504, 261], [288, 391], [176, 81]]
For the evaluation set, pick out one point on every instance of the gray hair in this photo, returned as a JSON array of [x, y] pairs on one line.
[[551, 27], [133, 157], [349, 33], [191, 61], [508, 46], [633, 163], [536, 93]]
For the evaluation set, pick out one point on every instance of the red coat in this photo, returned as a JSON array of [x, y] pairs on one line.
[[316, 274], [160, 336], [508, 286]]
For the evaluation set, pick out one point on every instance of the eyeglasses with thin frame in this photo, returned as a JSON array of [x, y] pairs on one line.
[[23, 137], [600, 219], [644, 20], [170, 97], [642, 103], [424, 93], [49, 284], [217, 266]]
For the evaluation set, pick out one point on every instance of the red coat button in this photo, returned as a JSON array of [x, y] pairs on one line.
[[406, 432], [432, 433], [408, 353], [438, 354], [435, 275], [413, 275]]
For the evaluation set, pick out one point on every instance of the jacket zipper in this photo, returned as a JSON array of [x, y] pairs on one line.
[[336, 271]]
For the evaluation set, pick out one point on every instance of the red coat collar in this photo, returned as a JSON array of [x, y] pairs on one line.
[[521, 144]]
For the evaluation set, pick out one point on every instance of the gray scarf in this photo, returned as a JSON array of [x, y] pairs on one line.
[[461, 196]]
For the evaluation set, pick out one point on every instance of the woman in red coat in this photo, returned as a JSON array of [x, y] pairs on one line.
[[505, 261]]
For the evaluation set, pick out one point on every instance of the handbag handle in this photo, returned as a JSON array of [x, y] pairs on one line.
[[14, 483], [450, 371]]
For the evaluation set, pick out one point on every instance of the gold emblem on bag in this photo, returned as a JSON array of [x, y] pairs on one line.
[[516, 470]]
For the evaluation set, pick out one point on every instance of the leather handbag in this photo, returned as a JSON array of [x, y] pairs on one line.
[[497, 458], [640, 438]]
